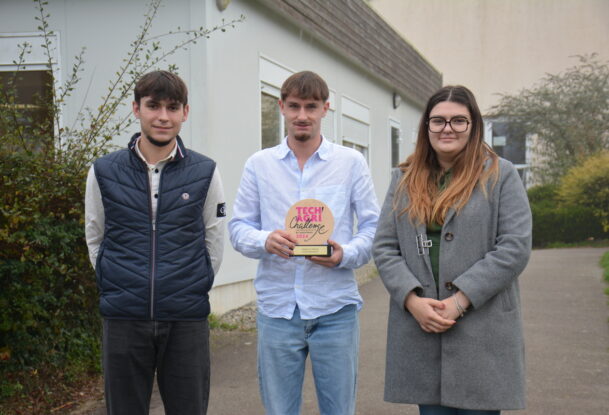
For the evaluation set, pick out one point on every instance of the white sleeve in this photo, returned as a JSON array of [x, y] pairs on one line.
[[214, 212], [94, 216]]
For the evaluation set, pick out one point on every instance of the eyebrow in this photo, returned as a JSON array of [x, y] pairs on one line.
[[454, 116]]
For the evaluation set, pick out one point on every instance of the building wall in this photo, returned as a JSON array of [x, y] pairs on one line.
[[234, 115], [500, 46], [224, 79]]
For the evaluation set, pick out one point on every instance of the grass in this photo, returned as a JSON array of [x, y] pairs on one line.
[[595, 243], [604, 263], [216, 323]]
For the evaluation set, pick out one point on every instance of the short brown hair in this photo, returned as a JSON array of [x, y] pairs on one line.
[[161, 85], [305, 85]]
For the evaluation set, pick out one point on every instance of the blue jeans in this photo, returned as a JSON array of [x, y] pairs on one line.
[[177, 351], [332, 341], [445, 410]]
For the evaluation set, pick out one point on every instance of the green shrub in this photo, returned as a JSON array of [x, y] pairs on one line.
[[587, 184], [543, 194], [565, 224], [554, 222], [48, 300]]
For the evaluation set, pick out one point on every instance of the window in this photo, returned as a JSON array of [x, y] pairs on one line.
[[32, 84], [32, 105], [272, 75], [355, 126], [271, 120]]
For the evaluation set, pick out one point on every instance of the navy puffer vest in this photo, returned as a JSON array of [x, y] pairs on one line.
[[160, 274]]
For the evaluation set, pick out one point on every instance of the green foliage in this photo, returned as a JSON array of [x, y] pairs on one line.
[[568, 112], [604, 263], [49, 325], [555, 223], [587, 184], [216, 323], [545, 195]]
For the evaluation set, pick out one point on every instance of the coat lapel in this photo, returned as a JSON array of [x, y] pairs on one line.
[[449, 215]]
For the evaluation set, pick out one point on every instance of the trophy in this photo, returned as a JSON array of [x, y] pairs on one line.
[[311, 223]]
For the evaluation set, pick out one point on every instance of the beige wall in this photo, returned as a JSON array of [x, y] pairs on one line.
[[500, 46]]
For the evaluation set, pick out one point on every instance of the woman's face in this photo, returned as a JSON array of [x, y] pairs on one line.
[[446, 142]]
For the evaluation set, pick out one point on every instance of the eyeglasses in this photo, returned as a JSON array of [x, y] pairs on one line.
[[458, 124]]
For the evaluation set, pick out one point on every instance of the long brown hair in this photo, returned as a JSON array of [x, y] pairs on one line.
[[422, 170]]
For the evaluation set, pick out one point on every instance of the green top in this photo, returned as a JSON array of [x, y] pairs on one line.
[[434, 233]]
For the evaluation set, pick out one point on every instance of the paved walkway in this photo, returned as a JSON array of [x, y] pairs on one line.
[[566, 333]]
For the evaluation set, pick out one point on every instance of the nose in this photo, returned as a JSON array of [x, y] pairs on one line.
[[447, 124], [302, 114], [163, 114]]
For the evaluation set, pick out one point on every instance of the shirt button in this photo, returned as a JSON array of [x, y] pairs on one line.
[[156, 196], [448, 236], [449, 286], [156, 170]]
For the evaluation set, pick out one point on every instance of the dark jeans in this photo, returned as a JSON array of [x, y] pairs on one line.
[[179, 353], [445, 410]]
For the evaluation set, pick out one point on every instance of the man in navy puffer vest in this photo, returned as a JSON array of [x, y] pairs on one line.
[[154, 226]]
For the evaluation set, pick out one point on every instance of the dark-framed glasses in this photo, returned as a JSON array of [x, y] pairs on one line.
[[458, 124]]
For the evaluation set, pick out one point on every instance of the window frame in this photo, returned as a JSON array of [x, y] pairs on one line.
[[36, 60]]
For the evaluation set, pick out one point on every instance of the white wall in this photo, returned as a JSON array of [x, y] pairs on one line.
[[224, 83], [106, 29], [234, 122], [500, 46]]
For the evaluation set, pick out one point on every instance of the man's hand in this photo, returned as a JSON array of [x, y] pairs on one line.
[[426, 312], [329, 261], [280, 243]]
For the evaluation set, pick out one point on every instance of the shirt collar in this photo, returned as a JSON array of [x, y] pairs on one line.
[[323, 150], [169, 157]]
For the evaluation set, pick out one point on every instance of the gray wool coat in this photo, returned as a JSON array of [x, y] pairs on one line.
[[479, 362]]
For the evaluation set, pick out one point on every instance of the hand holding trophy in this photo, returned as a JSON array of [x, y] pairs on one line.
[[311, 223]]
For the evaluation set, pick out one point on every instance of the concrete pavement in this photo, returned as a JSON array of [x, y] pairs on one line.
[[566, 333]]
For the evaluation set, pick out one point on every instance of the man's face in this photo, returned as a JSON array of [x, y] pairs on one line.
[[303, 117], [160, 120]]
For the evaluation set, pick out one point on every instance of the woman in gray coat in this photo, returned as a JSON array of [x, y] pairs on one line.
[[453, 236]]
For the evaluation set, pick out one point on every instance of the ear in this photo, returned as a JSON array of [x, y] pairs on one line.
[[136, 109], [281, 105], [326, 108], [186, 111]]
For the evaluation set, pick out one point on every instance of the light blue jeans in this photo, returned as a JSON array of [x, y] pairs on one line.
[[332, 341], [445, 410]]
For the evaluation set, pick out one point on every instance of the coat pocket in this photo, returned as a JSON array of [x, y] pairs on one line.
[[506, 299]]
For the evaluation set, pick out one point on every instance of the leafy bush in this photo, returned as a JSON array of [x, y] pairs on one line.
[[543, 195], [558, 223], [587, 184], [49, 325]]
